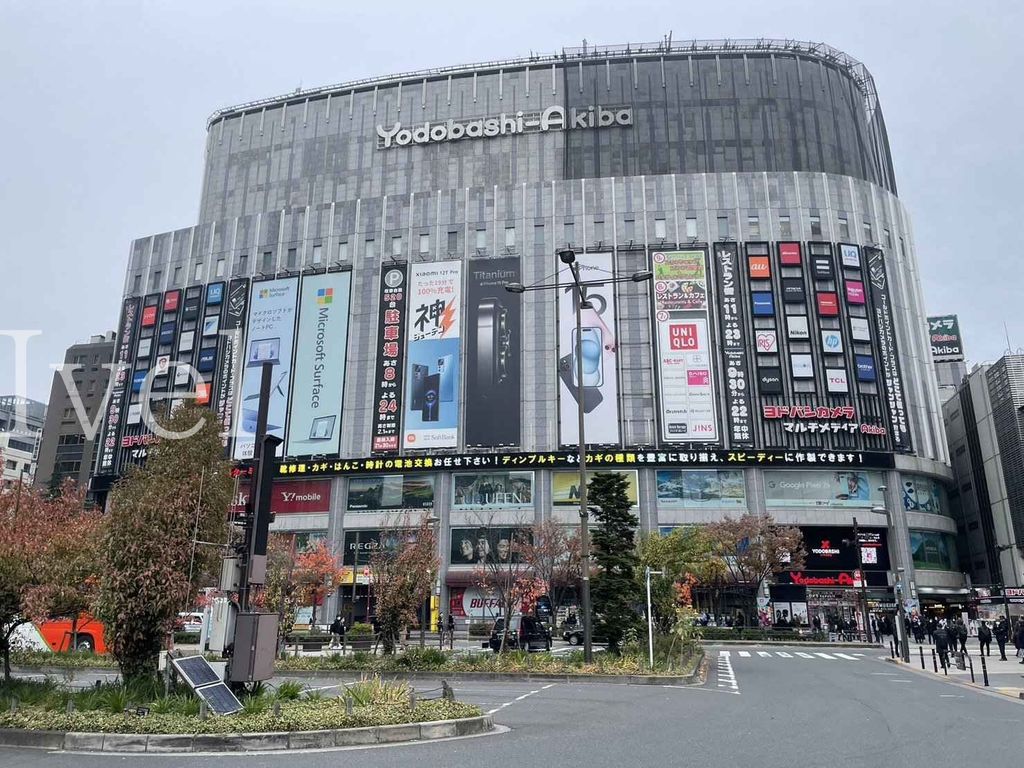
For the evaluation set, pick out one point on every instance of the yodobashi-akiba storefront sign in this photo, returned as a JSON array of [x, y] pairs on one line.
[[887, 350], [554, 118]]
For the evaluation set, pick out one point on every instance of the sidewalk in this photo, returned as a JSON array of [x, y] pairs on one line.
[[1005, 677]]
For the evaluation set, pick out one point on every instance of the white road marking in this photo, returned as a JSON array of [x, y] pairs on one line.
[[764, 654], [886, 674], [519, 698], [825, 656], [783, 654], [899, 681], [846, 656], [745, 654], [726, 675], [803, 655]]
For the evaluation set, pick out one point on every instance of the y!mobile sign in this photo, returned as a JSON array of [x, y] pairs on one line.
[[387, 388], [684, 350], [314, 419], [433, 365], [270, 340]]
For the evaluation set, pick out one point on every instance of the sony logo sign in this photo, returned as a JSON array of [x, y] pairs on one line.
[[551, 119]]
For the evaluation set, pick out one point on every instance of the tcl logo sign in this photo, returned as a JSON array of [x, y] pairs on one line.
[[683, 336]]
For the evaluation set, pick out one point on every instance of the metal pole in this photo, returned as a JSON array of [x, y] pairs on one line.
[[254, 489], [863, 583], [984, 671], [588, 648], [901, 616], [650, 619], [921, 649], [935, 664], [971, 663]]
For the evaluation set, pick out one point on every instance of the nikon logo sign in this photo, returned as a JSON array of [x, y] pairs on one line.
[[551, 119]]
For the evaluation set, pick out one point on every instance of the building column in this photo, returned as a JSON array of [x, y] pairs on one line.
[[899, 533]]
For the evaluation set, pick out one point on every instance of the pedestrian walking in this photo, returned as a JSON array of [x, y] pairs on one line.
[[961, 635], [941, 637], [930, 626], [1001, 630], [984, 639], [875, 632], [451, 631], [338, 632], [1019, 639]]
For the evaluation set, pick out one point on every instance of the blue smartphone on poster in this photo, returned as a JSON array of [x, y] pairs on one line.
[[446, 377]]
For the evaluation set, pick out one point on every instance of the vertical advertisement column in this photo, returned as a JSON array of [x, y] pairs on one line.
[[887, 350], [432, 404], [119, 375], [270, 340], [321, 347], [492, 354], [734, 347], [599, 390], [387, 388], [686, 383], [231, 345]]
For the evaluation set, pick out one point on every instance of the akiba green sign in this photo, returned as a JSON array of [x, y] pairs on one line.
[[321, 345]]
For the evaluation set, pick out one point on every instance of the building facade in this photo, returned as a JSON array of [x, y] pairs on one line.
[[68, 447], [985, 429], [359, 239], [21, 425]]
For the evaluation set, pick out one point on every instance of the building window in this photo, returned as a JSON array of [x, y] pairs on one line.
[[242, 267], [396, 245], [291, 258], [268, 262], [785, 226], [568, 233], [815, 225], [424, 243], [136, 283], [11, 464], [659, 229], [197, 273], [220, 267], [371, 248], [343, 250], [723, 227], [887, 236], [510, 237], [691, 227], [177, 276], [869, 235], [68, 413], [538, 237], [844, 228], [599, 231], [453, 241], [753, 226], [318, 254], [481, 239], [155, 280]]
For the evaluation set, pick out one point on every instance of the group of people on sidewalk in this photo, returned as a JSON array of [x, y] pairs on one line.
[[951, 636]]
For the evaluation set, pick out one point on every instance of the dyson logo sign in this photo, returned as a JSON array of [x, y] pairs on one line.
[[551, 119]]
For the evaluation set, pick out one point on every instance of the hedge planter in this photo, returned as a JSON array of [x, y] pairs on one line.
[[244, 742]]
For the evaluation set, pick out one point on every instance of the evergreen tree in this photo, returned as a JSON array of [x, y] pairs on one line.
[[615, 592], [151, 569]]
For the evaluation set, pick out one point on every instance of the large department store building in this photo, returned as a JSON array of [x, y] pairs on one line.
[[359, 238]]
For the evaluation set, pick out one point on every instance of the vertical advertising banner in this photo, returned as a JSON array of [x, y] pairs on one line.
[[599, 390], [387, 387], [888, 354], [120, 372], [270, 340], [734, 346], [685, 379], [321, 346], [432, 402], [492, 353], [232, 333]]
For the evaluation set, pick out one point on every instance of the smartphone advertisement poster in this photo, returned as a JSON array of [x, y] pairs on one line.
[[432, 396], [321, 346], [492, 353], [685, 374], [387, 387], [270, 340], [599, 390]]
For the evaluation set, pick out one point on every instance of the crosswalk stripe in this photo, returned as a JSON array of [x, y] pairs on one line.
[[764, 654], [825, 656], [846, 656], [745, 654], [803, 655], [783, 654]]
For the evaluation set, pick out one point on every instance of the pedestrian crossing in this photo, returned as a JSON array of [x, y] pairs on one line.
[[794, 655]]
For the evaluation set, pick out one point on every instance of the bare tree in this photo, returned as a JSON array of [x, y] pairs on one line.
[[553, 553], [402, 570]]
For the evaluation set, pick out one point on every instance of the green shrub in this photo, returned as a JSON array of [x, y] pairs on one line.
[[288, 691], [480, 629], [186, 638], [360, 629]]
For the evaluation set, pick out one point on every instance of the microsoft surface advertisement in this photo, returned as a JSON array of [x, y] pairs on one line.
[[314, 419], [433, 358]]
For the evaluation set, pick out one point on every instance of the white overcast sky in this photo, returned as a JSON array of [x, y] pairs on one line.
[[105, 105]]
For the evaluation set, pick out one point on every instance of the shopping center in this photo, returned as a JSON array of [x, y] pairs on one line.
[[360, 237]]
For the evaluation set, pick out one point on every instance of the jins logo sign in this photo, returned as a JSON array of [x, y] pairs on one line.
[[551, 119]]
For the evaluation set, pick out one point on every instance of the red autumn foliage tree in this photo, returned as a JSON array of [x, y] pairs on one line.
[[403, 570], [552, 550], [49, 558], [317, 572], [509, 577], [151, 570]]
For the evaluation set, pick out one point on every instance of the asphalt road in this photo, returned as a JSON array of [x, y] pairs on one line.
[[769, 707]]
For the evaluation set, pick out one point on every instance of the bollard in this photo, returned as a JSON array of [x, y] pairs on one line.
[[446, 691], [348, 703], [204, 712], [277, 709], [921, 649], [14, 703], [412, 698], [945, 665], [970, 663], [70, 706], [984, 671], [935, 664], [892, 650]]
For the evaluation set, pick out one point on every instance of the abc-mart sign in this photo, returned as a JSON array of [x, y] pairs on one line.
[[551, 119]]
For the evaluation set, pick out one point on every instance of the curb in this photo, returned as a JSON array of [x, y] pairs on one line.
[[244, 742], [505, 677], [991, 690], [795, 644]]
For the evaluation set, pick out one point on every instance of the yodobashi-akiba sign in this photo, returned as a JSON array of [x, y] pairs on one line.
[[551, 119]]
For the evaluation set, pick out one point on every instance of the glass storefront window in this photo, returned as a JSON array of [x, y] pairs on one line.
[[934, 550], [922, 494], [701, 488]]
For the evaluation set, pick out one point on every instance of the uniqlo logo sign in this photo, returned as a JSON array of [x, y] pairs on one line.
[[828, 305], [789, 254], [759, 268], [683, 337]]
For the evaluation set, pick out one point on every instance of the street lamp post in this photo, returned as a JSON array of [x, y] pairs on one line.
[[650, 615], [568, 257], [863, 582], [901, 608], [433, 520]]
